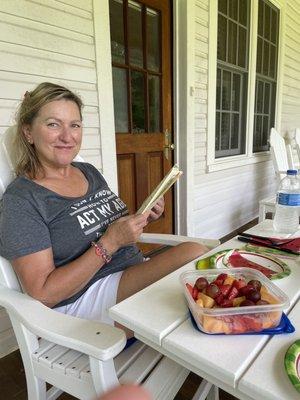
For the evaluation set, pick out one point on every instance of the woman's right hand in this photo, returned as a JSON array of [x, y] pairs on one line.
[[124, 231]]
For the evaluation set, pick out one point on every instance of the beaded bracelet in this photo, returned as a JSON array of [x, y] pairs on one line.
[[101, 251]]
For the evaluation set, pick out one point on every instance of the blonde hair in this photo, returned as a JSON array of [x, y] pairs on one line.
[[27, 161]]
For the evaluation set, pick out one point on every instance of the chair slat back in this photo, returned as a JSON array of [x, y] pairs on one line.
[[297, 140], [8, 277], [279, 154]]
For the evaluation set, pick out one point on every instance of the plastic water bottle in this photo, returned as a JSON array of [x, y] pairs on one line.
[[286, 219]]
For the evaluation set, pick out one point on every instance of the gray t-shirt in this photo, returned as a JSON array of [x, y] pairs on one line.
[[33, 218]]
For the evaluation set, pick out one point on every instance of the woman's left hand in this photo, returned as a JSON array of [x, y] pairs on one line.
[[157, 210]]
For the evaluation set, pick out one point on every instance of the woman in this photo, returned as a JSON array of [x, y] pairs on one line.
[[68, 237]]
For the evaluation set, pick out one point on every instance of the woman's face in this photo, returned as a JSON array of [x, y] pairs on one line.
[[56, 133]]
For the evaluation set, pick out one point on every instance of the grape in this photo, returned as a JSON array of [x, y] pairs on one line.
[[246, 303], [255, 283], [201, 283], [212, 290], [253, 295], [262, 302]]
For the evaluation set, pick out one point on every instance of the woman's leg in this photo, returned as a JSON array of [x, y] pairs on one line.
[[139, 276]]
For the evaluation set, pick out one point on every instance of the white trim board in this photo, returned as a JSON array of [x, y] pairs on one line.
[[105, 92], [184, 113]]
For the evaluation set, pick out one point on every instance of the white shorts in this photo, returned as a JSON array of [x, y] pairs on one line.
[[96, 301]]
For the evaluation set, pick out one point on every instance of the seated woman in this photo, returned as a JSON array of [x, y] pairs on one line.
[[68, 236]]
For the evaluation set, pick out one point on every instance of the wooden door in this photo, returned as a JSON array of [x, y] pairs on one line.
[[141, 61]]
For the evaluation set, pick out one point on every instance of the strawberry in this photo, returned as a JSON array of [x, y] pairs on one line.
[[226, 303], [252, 323], [220, 279], [219, 298], [239, 283], [224, 289], [238, 325], [232, 293], [195, 293], [189, 288]]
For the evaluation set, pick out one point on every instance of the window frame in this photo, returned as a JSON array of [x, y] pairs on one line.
[[216, 164]]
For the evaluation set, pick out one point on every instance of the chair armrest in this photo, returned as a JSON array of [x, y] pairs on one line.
[[173, 240], [95, 339]]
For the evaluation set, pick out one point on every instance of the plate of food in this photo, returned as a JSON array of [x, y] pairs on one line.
[[272, 267], [292, 364]]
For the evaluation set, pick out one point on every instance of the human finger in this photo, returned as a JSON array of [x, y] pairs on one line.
[[126, 392]]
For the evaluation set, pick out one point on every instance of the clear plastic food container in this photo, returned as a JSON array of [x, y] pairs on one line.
[[237, 319]]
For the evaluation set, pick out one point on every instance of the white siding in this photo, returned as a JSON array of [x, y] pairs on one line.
[[227, 199], [291, 84], [50, 40], [47, 40]]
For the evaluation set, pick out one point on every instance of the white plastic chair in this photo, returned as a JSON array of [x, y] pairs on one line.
[[83, 358], [282, 157], [297, 141]]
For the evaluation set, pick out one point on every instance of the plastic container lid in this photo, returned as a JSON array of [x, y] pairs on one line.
[[291, 172]]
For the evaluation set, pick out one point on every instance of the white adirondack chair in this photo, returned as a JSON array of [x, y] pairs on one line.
[[83, 358], [282, 157], [297, 141]]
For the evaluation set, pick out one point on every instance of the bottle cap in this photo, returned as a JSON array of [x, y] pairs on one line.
[[291, 172]]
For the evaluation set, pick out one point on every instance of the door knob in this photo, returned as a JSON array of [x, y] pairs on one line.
[[168, 145]]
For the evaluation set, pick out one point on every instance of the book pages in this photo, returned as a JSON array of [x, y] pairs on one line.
[[160, 189]]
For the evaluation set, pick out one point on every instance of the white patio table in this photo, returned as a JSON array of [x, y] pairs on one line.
[[159, 316]]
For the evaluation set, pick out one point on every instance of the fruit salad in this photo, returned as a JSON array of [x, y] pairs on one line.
[[233, 302]]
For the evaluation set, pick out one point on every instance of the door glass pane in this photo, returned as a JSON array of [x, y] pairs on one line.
[[135, 34], [120, 99], [234, 140], [222, 34], [226, 90], [137, 102], [117, 31], [154, 103], [232, 42], [236, 82], [225, 129], [153, 33]]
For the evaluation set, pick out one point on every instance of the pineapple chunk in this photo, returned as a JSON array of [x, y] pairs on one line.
[[238, 300], [208, 302], [200, 302], [229, 280]]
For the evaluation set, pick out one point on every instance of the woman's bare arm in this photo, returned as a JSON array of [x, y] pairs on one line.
[[50, 285]]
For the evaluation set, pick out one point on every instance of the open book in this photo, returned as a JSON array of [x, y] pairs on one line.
[[160, 189]]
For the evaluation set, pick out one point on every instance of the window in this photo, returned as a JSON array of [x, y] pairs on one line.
[[233, 72], [266, 72]]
